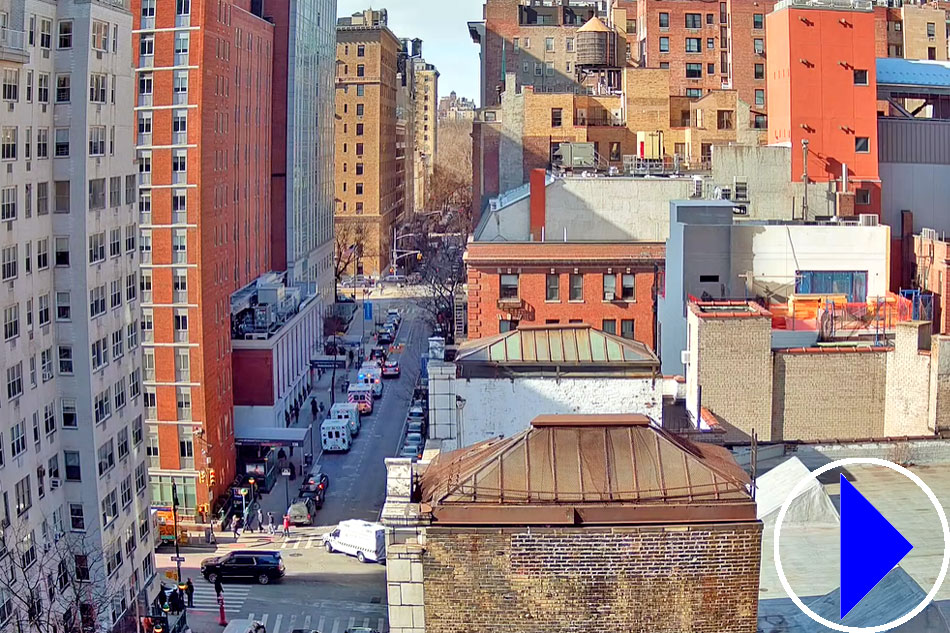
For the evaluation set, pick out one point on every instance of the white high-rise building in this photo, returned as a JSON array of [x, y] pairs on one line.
[[73, 472]]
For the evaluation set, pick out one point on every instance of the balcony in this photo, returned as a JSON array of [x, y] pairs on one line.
[[13, 46], [598, 121]]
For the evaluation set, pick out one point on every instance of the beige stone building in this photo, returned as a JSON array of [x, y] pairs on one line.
[[425, 116], [912, 31], [370, 165]]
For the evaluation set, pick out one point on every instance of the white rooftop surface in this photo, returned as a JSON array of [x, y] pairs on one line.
[[810, 552], [812, 505]]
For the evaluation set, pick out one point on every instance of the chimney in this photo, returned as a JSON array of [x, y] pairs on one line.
[[537, 204]]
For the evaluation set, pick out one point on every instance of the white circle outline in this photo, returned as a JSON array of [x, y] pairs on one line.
[[887, 625]]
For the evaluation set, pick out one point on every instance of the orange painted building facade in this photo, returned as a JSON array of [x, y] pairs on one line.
[[822, 89], [203, 74]]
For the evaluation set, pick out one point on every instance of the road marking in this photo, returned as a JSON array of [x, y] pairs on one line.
[[320, 623], [365, 623], [306, 623], [250, 616], [336, 626], [277, 623], [293, 620], [381, 625], [264, 620], [352, 623]]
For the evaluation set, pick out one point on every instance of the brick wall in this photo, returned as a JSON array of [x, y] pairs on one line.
[[908, 381], [552, 580], [734, 368], [484, 316], [828, 394]]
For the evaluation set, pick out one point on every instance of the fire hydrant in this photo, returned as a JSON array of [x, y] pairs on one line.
[[221, 620]]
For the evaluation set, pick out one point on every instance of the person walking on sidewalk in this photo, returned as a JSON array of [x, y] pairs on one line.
[[260, 520], [271, 528], [286, 526], [238, 523], [190, 592]]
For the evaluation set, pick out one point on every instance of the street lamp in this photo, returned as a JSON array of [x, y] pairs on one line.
[[175, 519], [251, 480]]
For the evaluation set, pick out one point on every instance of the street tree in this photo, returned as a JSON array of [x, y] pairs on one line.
[[61, 584]]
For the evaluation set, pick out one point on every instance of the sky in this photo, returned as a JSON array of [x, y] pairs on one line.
[[442, 25]]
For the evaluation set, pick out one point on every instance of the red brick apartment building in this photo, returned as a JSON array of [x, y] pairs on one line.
[[204, 123], [611, 286]]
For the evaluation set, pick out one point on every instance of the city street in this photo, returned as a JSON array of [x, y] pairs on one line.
[[326, 592]]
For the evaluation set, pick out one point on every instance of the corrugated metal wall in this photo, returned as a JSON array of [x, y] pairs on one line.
[[913, 141]]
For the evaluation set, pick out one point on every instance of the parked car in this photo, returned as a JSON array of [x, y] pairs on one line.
[[302, 511], [315, 486], [416, 427], [393, 313], [391, 369], [418, 412], [365, 540], [378, 353], [412, 452], [264, 566], [384, 337]]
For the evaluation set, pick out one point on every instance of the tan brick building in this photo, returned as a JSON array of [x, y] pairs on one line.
[[370, 165], [911, 31], [426, 108], [521, 533]]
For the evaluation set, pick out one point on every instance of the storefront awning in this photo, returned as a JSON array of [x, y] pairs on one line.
[[271, 436]]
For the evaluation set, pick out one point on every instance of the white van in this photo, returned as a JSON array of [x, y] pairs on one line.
[[372, 376], [335, 435], [349, 412], [365, 540]]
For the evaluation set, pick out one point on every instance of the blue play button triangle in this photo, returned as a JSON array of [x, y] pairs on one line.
[[870, 547]]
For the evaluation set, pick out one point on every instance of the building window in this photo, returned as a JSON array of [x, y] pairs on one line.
[[758, 20], [359, 129], [508, 287], [860, 77], [549, 44], [507, 325], [862, 144], [854, 284], [614, 151], [760, 97], [758, 45], [577, 288], [8, 211], [664, 20], [759, 71], [97, 88], [610, 287], [61, 250], [97, 140], [609, 326], [556, 117], [710, 43], [694, 45], [77, 522], [65, 360], [65, 34], [694, 20], [863, 197], [628, 287], [931, 29], [724, 119], [664, 45], [8, 143], [14, 381], [360, 70], [694, 71], [626, 328], [552, 290], [569, 44]]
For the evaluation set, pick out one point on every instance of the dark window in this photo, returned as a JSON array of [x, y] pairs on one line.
[[508, 287], [556, 117], [694, 71], [664, 20], [863, 197], [694, 45], [694, 93], [759, 71], [760, 122], [862, 144], [760, 97], [709, 279], [626, 328], [931, 29], [710, 18], [759, 45], [694, 20], [628, 286], [73, 466], [507, 325], [758, 20], [860, 77], [610, 287], [724, 119], [615, 150], [609, 326], [664, 65], [710, 69], [552, 290], [577, 288], [664, 45]]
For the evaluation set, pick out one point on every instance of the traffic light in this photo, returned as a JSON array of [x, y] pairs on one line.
[[201, 476], [419, 257], [211, 479]]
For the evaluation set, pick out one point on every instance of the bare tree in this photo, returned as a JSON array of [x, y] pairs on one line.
[[442, 273], [60, 585], [450, 187], [350, 239]]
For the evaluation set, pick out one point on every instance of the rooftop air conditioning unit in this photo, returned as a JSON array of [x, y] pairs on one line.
[[867, 219], [685, 356], [609, 296]]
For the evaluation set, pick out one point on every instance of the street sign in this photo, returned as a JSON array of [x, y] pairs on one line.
[[367, 311], [328, 363], [178, 559], [285, 472]]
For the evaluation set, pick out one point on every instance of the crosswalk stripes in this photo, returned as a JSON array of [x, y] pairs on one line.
[[324, 624], [302, 542], [207, 600]]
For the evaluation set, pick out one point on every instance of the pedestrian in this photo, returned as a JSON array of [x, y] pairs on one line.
[[313, 408], [218, 589], [321, 408], [162, 596], [287, 526], [190, 591], [237, 528], [260, 521], [175, 602], [271, 528]]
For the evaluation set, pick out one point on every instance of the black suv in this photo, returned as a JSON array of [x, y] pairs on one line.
[[262, 566]]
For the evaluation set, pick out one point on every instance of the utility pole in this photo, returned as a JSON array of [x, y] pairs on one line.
[[805, 178], [175, 520]]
